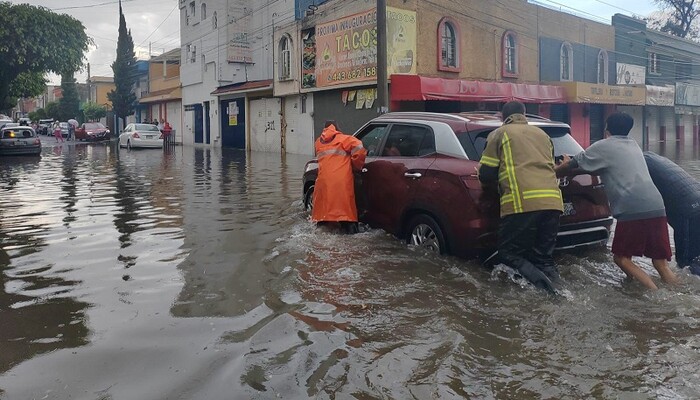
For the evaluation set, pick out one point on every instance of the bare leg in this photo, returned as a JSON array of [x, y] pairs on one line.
[[665, 272], [633, 271]]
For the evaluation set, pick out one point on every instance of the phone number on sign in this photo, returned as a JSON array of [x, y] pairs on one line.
[[352, 74]]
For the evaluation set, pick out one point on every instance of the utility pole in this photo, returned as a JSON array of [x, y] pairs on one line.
[[382, 79]]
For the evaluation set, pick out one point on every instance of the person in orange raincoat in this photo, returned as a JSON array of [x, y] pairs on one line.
[[338, 156]]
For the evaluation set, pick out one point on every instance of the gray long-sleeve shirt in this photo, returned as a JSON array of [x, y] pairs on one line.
[[620, 163]]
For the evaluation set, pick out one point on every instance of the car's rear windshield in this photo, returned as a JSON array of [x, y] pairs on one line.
[[474, 142], [94, 126], [17, 133], [146, 127]]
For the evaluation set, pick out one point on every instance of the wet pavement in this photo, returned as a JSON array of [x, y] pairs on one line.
[[194, 273]]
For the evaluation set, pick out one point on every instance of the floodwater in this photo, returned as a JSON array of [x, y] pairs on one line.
[[195, 274]]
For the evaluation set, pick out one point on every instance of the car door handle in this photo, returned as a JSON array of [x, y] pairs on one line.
[[414, 175], [363, 170]]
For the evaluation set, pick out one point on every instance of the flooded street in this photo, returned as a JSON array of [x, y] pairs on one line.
[[195, 274]]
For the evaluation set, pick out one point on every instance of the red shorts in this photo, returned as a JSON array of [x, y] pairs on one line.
[[643, 237]]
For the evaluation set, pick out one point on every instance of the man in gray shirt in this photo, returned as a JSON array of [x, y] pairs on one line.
[[635, 202]]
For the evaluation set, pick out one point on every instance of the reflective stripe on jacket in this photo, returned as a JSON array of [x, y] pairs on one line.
[[334, 191], [524, 156]]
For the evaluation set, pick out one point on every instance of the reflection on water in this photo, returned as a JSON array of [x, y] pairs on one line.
[[194, 273]]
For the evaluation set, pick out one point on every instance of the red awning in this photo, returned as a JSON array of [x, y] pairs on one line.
[[420, 88], [243, 87]]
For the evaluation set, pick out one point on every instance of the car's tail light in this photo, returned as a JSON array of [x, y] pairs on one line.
[[37, 141], [135, 135]]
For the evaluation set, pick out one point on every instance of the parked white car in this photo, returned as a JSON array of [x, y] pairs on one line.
[[141, 135]]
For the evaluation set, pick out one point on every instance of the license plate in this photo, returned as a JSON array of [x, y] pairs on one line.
[[148, 136], [569, 209]]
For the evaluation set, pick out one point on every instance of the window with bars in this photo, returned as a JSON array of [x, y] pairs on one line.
[[285, 61], [510, 54], [449, 46], [566, 67], [654, 64], [603, 67]]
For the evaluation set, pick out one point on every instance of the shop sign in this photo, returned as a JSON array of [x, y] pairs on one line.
[[344, 51], [582, 92], [661, 96], [630, 74], [687, 94], [238, 49]]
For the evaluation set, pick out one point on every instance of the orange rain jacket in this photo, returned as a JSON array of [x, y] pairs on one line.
[[334, 194]]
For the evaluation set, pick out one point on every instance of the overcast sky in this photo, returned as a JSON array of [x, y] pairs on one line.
[[158, 22]]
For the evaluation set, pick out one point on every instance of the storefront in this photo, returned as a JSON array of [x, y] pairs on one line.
[[589, 104], [687, 111], [420, 93], [249, 117]]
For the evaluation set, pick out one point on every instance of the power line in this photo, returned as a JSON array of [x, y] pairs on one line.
[[159, 25]]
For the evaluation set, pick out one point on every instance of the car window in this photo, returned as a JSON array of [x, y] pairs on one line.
[[146, 127], [371, 138], [13, 133], [409, 141], [93, 126], [563, 142]]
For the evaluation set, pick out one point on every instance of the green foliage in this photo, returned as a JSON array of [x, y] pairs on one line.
[[94, 111], [69, 103], [40, 113], [28, 84], [124, 67], [52, 110], [36, 40]]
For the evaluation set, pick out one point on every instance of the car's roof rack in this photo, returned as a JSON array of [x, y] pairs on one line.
[[418, 114], [491, 112]]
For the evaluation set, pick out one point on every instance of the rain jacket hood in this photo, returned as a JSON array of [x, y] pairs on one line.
[[329, 133]]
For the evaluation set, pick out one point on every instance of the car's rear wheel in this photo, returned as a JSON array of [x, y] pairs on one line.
[[423, 231], [309, 199]]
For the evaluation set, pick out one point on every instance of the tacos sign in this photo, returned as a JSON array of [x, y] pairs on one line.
[[345, 50]]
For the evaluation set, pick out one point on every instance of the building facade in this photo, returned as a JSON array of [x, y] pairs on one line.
[[163, 100], [227, 64], [669, 69]]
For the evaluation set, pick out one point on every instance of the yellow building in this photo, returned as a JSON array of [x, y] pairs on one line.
[[99, 86]]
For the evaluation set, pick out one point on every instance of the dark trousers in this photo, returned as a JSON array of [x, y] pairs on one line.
[[686, 237], [526, 242]]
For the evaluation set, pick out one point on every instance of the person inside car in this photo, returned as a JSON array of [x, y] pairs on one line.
[[635, 202], [681, 194], [519, 158], [338, 156]]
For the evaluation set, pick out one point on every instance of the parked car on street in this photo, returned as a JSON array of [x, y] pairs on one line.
[[19, 140], [92, 131], [45, 126], [141, 135], [64, 129], [419, 183], [5, 121]]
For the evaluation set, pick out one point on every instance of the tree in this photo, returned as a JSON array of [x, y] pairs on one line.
[[69, 103], [52, 110], [36, 41], [94, 111], [124, 67], [40, 113], [677, 17]]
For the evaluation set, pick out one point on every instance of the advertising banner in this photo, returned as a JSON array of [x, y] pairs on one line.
[[661, 96], [582, 92], [630, 74], [687, 94], [238, 49], [345, 50]]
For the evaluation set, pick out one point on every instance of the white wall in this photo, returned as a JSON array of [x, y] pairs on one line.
[[265, 125], [300, 125], [210, 68]]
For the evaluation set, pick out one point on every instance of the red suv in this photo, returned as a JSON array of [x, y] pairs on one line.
[[419, 183]]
